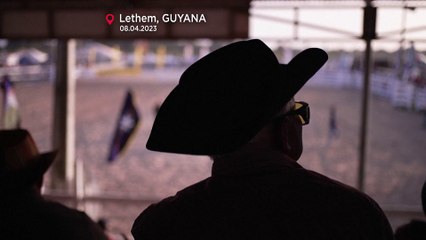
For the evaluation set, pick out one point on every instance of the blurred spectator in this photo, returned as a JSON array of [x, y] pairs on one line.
[[333, 131], [24, 213], [416, 229], [10, 109]]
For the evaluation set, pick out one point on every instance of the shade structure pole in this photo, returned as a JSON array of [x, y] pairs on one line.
[[369, 33], [63, 169]]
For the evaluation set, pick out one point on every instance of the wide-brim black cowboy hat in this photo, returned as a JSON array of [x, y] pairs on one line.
[[20, 162], [226, 97]]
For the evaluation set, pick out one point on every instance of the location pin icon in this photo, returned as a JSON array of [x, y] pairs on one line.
[[109, 18]]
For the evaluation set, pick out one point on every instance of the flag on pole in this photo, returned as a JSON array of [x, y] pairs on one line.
[[126, 126], [10, 112]]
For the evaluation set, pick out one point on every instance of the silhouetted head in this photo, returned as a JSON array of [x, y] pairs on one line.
[[284, 132]]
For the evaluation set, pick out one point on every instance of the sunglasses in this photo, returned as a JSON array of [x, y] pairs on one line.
[[301, 109]]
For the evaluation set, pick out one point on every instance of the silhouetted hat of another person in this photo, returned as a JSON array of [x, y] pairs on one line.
[[24, 213], [21, 164]]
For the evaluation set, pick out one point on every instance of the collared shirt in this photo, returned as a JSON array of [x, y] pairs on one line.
[[252, 161], [259, 194]]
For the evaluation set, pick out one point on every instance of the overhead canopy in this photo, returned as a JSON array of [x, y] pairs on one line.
[[132, 19]]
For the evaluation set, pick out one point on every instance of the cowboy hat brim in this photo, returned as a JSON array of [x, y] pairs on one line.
[[225, 98], [301, 68]]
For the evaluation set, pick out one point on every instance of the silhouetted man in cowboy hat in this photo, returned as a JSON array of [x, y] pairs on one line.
[[236, 105], [24, 214]]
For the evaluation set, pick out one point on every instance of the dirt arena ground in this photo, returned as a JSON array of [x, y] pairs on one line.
[[395, 169]]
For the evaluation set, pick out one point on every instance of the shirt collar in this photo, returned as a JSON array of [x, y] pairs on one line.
[[250, 161]]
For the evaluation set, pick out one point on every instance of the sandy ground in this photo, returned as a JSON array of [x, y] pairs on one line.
[[395, 169]]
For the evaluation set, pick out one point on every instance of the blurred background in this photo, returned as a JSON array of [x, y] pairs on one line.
[[72, 76]]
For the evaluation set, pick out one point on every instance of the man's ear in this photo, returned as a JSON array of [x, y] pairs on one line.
[[282, 137], [285, 137], [290, 138]]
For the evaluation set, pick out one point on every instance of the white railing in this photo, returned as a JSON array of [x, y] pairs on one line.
[[384, 84], [29, 73]]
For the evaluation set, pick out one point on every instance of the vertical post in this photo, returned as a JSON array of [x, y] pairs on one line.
[[63, 169], [364, 116], [80, 190], [296, 24], [401, 60], [369, 33]]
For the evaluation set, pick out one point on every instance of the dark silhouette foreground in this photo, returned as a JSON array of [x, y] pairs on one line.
[[236, 105], [24, 213]]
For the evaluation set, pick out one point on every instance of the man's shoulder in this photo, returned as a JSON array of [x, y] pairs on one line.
[[72, 220], [184, 196], [52, 208], [163, 214], [319, 184], [341, 198], [342, 205]]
